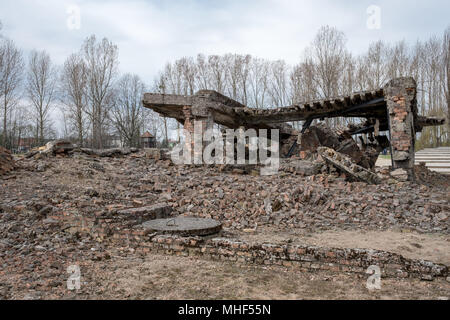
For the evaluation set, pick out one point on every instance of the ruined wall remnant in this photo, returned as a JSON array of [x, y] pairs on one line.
[[392, 108], [297, 257], [322, 136], [400, 96]]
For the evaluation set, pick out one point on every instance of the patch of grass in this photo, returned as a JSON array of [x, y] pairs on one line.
[[385, 156]]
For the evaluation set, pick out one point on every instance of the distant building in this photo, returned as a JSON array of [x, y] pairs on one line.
[[148, 140]]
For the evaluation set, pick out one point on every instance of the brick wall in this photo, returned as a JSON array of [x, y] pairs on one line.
[[400, 96], [303, 258], [121, 232]]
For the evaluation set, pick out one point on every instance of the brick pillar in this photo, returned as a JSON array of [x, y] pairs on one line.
[[201, 124], [400, 97], [192, 122]]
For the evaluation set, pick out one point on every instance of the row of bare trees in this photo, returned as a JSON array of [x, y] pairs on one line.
[[326, 69]]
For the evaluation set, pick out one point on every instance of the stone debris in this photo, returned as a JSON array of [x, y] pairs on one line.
[[114, 152], [345, 164], [7, 163], [141, 214], [425, 176], [58, 147], [399, 174], [301, 167], [340, 140], [65, 148]]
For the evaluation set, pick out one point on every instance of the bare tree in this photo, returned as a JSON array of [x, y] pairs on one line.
[[258, 83], [101, 60], [302, 80], [237, 69], [189, 70], [74, 95], [21, 125], [376, 63], [398, 60], [11, 69], [41, 90], [216, 66], [328, 54], [160, 85], [233, 67], [203, 74], [127, 114], [278, 85]]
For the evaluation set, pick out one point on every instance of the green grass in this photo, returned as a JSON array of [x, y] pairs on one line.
[[385, 156]]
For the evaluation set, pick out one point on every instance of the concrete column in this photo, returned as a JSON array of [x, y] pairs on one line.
[[400, 97], [189, 127], [196, 126], [201, 124]]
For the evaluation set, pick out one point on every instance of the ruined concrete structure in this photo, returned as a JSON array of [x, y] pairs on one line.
[[392, 108]]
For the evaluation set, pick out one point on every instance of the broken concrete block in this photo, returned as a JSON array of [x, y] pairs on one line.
[[153, 153], [58, 146], [400, 174], [142, 214], [302, 167], [401, 156]]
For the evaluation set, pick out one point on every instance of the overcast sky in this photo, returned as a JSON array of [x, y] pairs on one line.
[[151, 33]]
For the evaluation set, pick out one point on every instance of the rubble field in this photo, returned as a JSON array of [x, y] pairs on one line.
[[305, 203]]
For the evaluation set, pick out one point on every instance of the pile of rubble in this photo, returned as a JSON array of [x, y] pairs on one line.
[[7, 163], [430, 178], [341, 141], [306, 197], [66, 148]]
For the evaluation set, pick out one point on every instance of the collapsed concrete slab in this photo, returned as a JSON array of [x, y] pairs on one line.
[[346, 165], [340, 140], [186, 226]]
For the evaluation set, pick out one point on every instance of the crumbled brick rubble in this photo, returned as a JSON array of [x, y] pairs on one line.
[[60, 209]]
